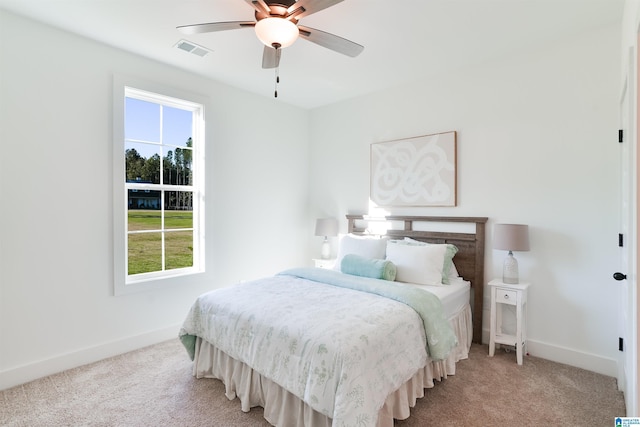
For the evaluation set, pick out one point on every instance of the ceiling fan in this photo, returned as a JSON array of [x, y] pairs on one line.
[[276, 25]]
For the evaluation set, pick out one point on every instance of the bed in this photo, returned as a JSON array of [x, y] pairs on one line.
[[319, 347]]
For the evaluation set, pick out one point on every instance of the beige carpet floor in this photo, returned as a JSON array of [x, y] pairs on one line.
[[154, 387]]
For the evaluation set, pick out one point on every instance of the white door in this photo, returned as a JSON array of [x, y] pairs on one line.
[[626, 277]]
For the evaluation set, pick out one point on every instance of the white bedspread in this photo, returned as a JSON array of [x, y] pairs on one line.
[[339, 350]]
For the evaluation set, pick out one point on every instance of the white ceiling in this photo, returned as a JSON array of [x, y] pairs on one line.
[[405, 40]]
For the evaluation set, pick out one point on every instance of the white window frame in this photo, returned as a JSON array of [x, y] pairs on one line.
[[124, 86]]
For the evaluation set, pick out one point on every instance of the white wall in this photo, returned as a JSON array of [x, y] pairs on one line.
[[536, 145], [56, 307]]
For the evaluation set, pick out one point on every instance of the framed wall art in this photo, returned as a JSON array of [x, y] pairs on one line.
[[419, 171]]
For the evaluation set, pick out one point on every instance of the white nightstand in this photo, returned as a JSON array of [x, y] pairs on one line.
[[516, 295], [324, 263]]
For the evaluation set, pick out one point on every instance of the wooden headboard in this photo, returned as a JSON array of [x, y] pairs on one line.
[[469, 260]]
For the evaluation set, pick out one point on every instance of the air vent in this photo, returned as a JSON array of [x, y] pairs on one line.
[[190, 47]]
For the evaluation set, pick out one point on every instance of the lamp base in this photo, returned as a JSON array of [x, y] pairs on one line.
[[326, 249], [510, 270]]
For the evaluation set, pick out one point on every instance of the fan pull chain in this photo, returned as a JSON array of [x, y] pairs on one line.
[[276, 46]]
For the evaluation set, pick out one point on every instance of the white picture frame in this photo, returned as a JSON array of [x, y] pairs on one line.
[[418, 171]]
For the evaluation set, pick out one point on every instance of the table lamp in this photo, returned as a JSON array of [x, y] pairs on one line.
[[510, 237], [326, 227]]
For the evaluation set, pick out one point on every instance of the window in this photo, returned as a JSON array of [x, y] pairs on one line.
[[159, 187]]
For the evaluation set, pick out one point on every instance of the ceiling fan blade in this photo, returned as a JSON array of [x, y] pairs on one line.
[[260, 6], [311, 6], [271, 57], [331, 41], [215, 26]]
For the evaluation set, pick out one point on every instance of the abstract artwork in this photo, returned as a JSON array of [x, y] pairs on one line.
[[419, 171]]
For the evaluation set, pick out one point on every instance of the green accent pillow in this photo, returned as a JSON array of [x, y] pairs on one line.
[[368, 267]]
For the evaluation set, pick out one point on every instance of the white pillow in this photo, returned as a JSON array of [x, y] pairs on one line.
[[449, 270], [453, 272], [365, 246], [419, 264]]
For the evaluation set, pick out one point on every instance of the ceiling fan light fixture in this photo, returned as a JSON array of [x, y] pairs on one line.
[[279, 31]]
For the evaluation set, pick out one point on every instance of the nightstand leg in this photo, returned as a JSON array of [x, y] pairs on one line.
[[519, 343], [492, 328], [498, 310]]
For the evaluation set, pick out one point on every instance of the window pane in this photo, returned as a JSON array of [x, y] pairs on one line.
[[178, 219], [178, 249], [142, 162], [143, 219], [145, 253], [142, 120], [178, 201], [176, 126], [178, 167]]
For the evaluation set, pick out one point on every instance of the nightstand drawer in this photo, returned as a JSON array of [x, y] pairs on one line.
[[506, 296], [324, 263]]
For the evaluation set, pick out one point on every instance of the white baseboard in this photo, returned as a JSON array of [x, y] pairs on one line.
[[591, 362], [568, 356], [29, 372]]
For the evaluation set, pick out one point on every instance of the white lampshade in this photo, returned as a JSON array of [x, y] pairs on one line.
[[510, 237], [326, 227], [279, 31]]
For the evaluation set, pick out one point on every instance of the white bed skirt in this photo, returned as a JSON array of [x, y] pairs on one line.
[[283, 409]]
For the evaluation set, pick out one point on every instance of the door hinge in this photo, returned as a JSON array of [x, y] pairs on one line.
[[620, 135], [620, 344], [620, 240]]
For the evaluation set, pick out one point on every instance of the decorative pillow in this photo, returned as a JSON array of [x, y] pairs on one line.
[[368, 267], [448, 269], [419, 264], [365, 246], [453, 273]]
